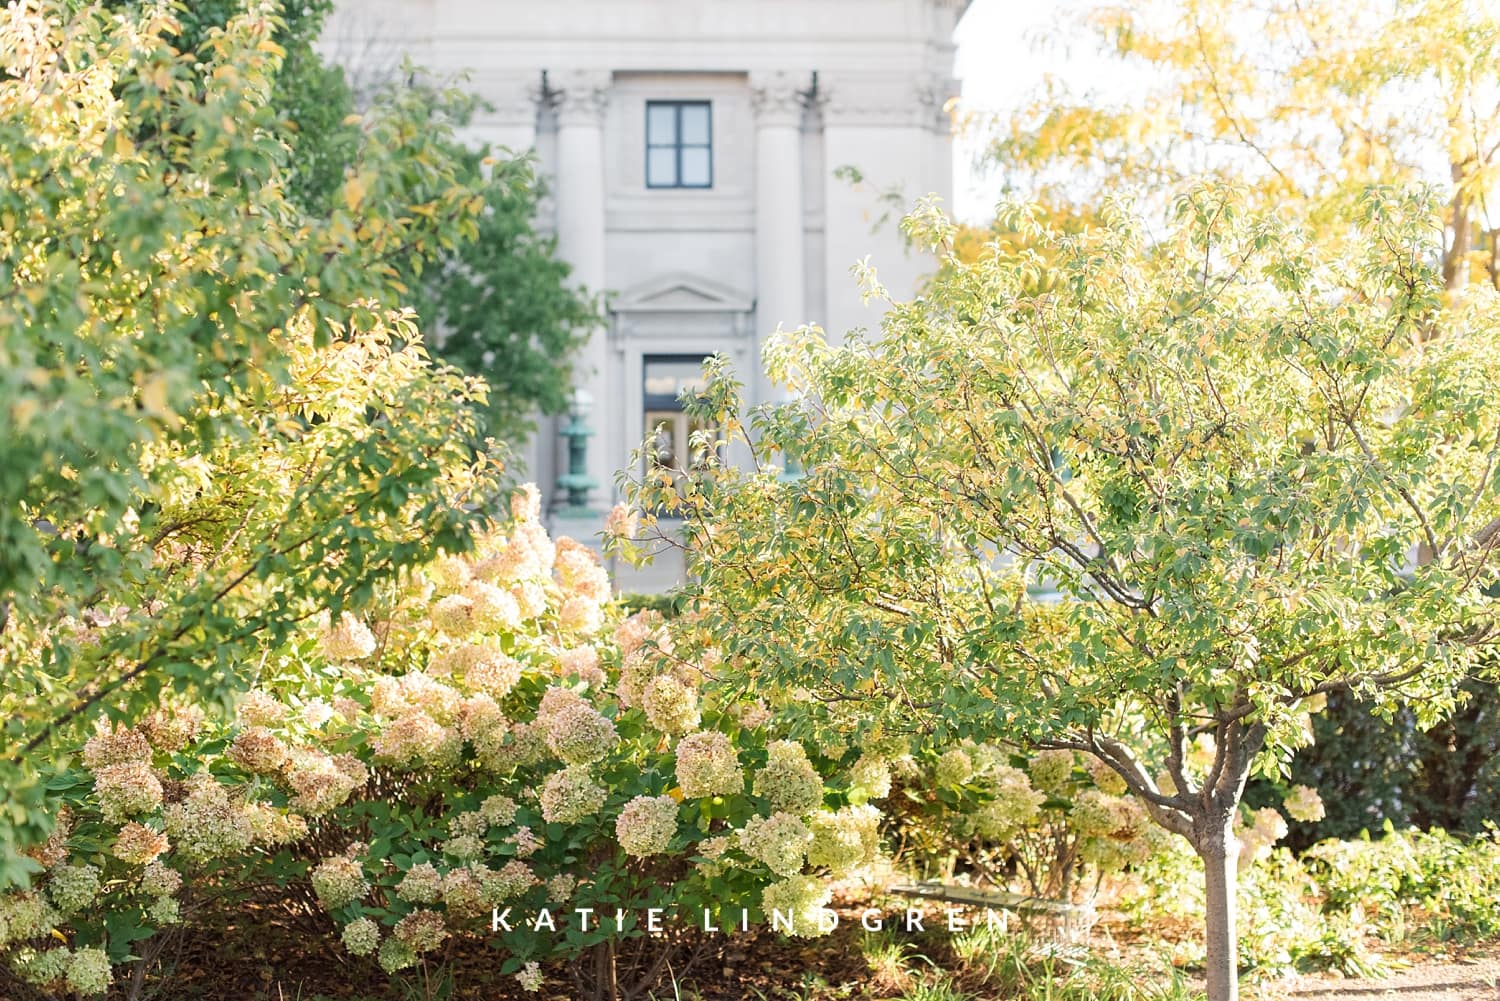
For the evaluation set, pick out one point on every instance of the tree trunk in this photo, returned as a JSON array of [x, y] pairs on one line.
[[1220, 857]]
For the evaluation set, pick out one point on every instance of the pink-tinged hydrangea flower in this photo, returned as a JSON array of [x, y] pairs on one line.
[[526, 842], [393, 695], [646, 825], [1304, 804], [115, 746], [570, 795], [633, 631], [1266, 827], [348, 708], [258, 751], [579, 734], [581, 662], [138, 844], [491, 609], [751, 714], [463, 893], [581, 616], [422, 884], [259, 708], [580, 572], [126, 789], [512, 562], [534, 537], [414, 740], [269, 827], [526, 503], [845, 839], [708, 766], [361, 936], [422, 930], [157, 880], [800, 902], [507, 883], [530, 977], [480, 718], [344, 640], [316, 713], [339, 881], [453, 615], [622, 522], [671, 706], [522, 745], [205, 824], [320, 782], [469, 822], [171, 729], [788, 779], [73, 887], [636, 671], [492, 672], [530, 597], [498, 811], [780, 841], [560, 887]]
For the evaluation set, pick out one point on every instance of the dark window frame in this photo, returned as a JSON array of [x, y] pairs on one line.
[[677, 145]]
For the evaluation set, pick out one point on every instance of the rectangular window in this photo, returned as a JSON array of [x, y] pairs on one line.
[[679, 144], [670, 431]]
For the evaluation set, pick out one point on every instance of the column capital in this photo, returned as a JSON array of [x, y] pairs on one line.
[[580, 96], [779, 97]]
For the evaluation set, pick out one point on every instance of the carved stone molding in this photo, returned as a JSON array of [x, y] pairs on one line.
[[580, 97], [877, 102], [779, 97]]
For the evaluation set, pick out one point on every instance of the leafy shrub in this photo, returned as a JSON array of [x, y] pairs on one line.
[[490, 737], [1055, 825]]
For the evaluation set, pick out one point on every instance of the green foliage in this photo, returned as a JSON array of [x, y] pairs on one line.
[[163, 307]]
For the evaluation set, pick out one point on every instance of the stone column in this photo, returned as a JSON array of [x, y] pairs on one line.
[[580, 101], [780, 237]]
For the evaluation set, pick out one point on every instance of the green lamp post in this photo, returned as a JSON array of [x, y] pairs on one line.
[[576, 483]]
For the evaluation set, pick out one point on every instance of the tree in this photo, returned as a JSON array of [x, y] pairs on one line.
[[1252, 474], [166, 493], [1308, 101]]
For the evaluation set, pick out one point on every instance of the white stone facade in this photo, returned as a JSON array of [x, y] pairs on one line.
[[795, 90]]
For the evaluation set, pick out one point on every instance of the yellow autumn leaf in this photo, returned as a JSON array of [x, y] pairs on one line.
[[354, 192]]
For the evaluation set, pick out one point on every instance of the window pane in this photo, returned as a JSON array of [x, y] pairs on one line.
[[695, 125], [661, 125], [661, 167], [695, 170], [669, 377]]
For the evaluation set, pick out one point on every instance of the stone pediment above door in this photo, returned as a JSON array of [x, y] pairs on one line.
[[681, 293]]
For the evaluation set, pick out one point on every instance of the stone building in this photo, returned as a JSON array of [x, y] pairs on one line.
[[717, 165]]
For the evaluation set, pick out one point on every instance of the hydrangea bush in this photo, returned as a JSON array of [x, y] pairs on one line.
[[1055, 820], [491, 737]]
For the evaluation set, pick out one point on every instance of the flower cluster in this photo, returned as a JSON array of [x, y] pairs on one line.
[[707, 765], [570, 795], [780, 841], [788, 779], [1303, 804], [646, 825], [340, 880], [800, 904]]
